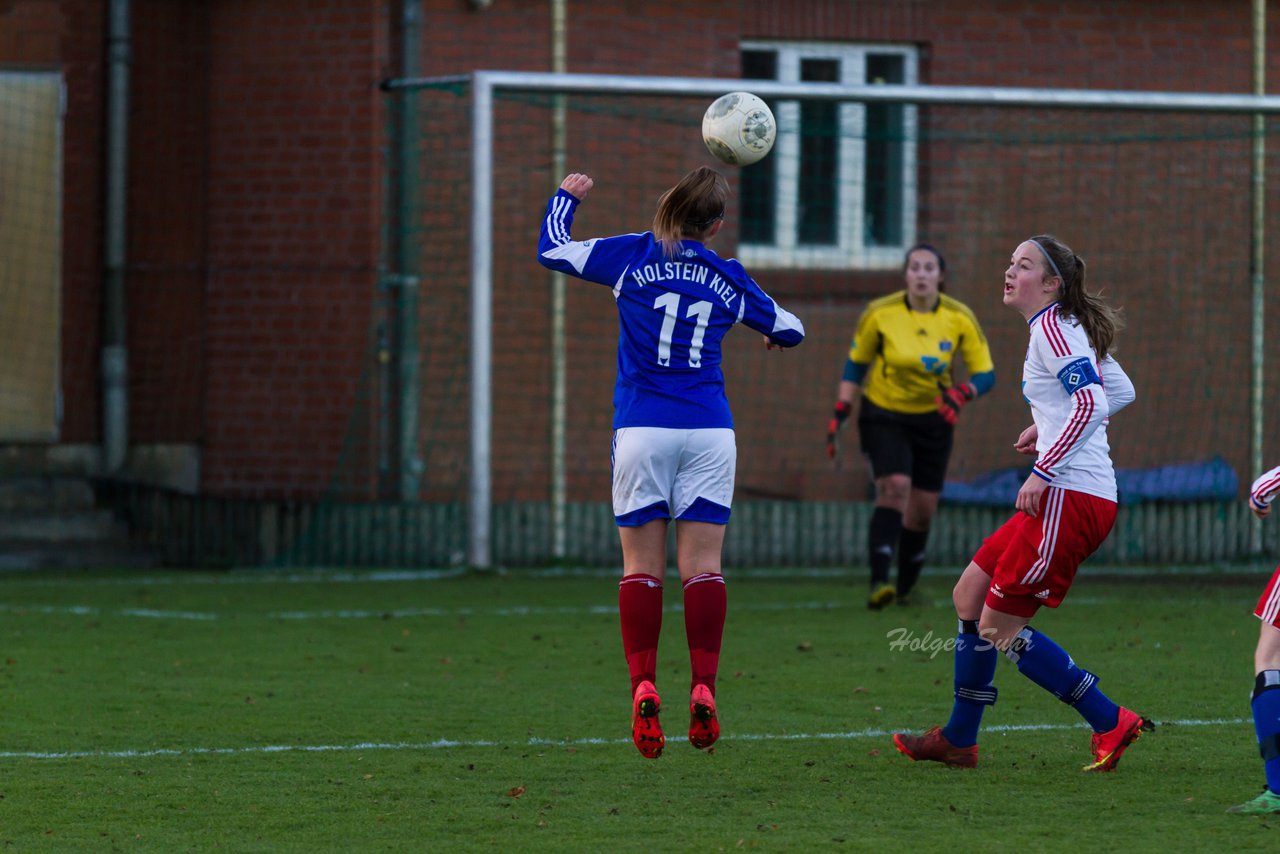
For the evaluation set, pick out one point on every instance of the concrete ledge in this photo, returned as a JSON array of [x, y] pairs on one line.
[[174, 466]]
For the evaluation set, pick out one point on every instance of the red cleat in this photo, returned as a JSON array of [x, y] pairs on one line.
[[704, 729], [646, 731], [1109, 746], [932, 745]]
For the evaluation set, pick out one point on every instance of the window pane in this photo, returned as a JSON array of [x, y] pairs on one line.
[[819, 137], [758, 185], [882, 204]]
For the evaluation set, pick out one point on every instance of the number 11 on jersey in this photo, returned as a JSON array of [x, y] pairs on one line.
[[669, 304]]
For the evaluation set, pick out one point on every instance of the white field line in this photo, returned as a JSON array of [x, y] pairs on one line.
[[322, 575], [511, 611], [451, 744]]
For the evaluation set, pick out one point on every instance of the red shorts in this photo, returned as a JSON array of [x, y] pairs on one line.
[[1032, 560], [1268, 609]]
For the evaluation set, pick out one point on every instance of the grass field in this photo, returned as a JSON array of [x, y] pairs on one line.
[[324, 712]]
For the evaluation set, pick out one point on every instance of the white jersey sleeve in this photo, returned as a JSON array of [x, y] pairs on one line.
[[1265, 488], [1120, 390]]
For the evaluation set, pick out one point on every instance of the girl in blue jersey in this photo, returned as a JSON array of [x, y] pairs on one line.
[[674, 452]]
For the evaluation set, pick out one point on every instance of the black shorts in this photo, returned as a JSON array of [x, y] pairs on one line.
[[898, 443]]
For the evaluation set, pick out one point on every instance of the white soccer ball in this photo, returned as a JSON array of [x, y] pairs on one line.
[[739, 128]]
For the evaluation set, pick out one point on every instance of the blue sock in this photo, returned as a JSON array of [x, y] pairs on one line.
[[1266, 720], [1048, 665], [975, 667]]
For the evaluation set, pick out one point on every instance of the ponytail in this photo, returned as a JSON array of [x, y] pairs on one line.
[[690, 208], [1101, 321]]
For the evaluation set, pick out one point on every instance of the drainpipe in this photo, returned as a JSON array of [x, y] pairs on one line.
[[409, 379], [115, 360]]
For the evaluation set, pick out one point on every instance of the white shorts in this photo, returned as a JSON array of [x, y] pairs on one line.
[[664, 473]]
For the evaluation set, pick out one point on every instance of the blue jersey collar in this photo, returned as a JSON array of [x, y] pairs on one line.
[[1042, 311]]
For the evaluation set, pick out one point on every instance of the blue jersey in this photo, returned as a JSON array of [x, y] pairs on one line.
[[673, 314]]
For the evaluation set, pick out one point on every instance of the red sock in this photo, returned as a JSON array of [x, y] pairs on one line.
[[640, 608], [705, 603]]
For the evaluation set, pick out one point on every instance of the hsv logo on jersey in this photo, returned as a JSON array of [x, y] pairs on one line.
[[1077, 375]]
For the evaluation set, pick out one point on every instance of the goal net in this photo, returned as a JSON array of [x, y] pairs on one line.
[[1157, 201]]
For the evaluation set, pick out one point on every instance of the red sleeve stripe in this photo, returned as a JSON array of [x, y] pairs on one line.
[[1049, 323], [1267, 488], [1085, 405]]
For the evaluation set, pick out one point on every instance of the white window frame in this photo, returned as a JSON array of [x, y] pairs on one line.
[[850, 251]]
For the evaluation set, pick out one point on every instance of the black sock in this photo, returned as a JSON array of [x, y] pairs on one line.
[[886, 524], [910, 558]]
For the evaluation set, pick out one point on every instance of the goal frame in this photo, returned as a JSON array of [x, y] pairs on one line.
[[484, 84]]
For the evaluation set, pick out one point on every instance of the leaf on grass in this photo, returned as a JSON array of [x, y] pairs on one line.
[[516, 792], [875, 751]]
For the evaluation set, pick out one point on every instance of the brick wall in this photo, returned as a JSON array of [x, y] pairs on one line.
[[256, 197]]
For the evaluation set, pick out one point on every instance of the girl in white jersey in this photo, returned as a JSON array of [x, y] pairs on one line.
[[674, 451], [1066, 508], [1265, 701]]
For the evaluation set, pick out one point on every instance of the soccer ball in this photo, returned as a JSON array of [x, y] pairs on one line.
[[739, 128]]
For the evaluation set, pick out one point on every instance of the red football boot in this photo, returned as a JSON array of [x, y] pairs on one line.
[[646, 730], [932, 745], [1109, 746], [704, 729]]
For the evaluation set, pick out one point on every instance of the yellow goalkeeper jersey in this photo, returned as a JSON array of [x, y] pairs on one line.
[[910, 353]]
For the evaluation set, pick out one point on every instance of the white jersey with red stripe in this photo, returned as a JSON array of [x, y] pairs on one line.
[[1062, 383], [1265, 489]]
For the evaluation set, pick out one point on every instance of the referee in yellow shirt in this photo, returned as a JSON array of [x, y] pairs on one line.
[[901, 359]]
